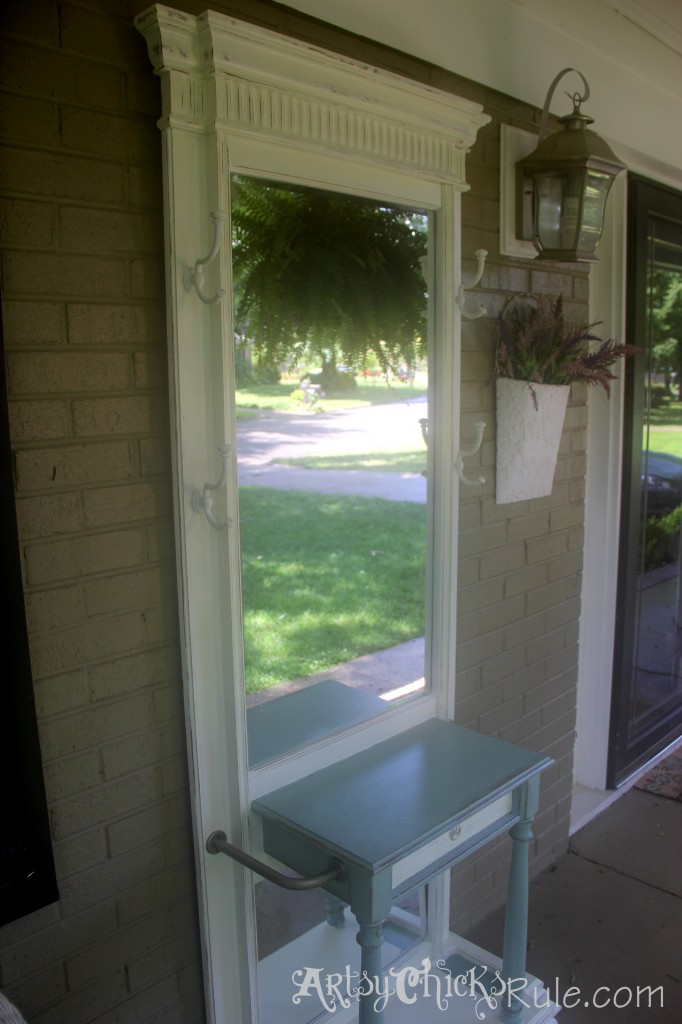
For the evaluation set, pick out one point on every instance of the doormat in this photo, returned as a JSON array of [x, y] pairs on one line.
[[665, 779]]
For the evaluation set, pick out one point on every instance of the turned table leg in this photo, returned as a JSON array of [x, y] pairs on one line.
[[370, 938], [516, 924]]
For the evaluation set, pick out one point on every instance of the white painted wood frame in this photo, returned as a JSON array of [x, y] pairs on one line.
[[238, 98]]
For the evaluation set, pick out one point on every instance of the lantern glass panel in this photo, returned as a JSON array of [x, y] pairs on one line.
[[547, 190], [597, 188], [571, 208], [558, 209]]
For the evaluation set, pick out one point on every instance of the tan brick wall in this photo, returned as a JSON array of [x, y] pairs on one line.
[[520, 563], [80, 228], [82, 271]]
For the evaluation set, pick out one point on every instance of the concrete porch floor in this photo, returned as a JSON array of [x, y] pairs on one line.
[[609, 913]]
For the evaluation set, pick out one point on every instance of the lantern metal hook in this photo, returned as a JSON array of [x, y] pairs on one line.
[[194, 279], [575, 97], [201, 497], [466, 453], [460, 299]]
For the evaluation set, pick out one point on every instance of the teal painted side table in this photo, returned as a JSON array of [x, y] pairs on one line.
[[401, 812]]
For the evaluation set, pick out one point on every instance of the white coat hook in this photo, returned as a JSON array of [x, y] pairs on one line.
[[480, 255], [201, 497], [466, 453], [195, 278]]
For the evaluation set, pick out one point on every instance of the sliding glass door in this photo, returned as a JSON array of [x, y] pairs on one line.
[[647, 692]]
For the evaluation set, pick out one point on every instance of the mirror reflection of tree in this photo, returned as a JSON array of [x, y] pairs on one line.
[[666, 322], [328, 276], [329, 288], [662, 441]]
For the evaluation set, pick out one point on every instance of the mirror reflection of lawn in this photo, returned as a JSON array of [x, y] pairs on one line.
[[665, 427], [277, 397], [326, 578], [377, 462], [666, 440]]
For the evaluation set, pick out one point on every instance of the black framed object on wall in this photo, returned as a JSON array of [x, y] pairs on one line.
[[27, 874]]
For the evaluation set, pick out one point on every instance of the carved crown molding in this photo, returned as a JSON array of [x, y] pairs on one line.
[[218, 72]]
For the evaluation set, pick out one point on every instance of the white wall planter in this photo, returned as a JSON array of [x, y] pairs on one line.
[[528, 436]]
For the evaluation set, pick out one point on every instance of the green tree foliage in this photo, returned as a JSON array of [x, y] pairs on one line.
[[661, 539], [666, 321], [326, 274]]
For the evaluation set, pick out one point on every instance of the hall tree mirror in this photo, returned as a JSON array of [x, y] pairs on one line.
[[331, 396], [317, 623]]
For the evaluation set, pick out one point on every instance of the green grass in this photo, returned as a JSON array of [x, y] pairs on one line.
[[326, 578], [667, 441], [277, 397], [380, 462], [265, 396], [666, 414], [665, 430]]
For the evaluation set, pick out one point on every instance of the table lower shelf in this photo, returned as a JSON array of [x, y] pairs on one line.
[[334, 952]]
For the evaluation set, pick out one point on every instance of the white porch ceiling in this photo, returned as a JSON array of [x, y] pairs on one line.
[[629, 50]]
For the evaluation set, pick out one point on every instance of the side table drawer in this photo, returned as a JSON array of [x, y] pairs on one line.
[[445, 844]]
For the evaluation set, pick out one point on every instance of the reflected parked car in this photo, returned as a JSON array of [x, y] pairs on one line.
[[662, 481]]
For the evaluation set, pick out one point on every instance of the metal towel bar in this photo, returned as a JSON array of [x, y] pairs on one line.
[[217, 843]]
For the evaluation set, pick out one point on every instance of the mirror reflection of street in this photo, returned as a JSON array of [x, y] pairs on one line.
[[265, 440]]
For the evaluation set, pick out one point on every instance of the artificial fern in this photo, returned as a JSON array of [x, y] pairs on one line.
[[327, 273]]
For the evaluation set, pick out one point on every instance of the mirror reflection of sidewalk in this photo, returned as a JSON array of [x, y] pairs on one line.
[[272, 437], [389, 674]]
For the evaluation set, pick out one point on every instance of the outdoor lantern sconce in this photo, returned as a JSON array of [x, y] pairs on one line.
[[563, 184]]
